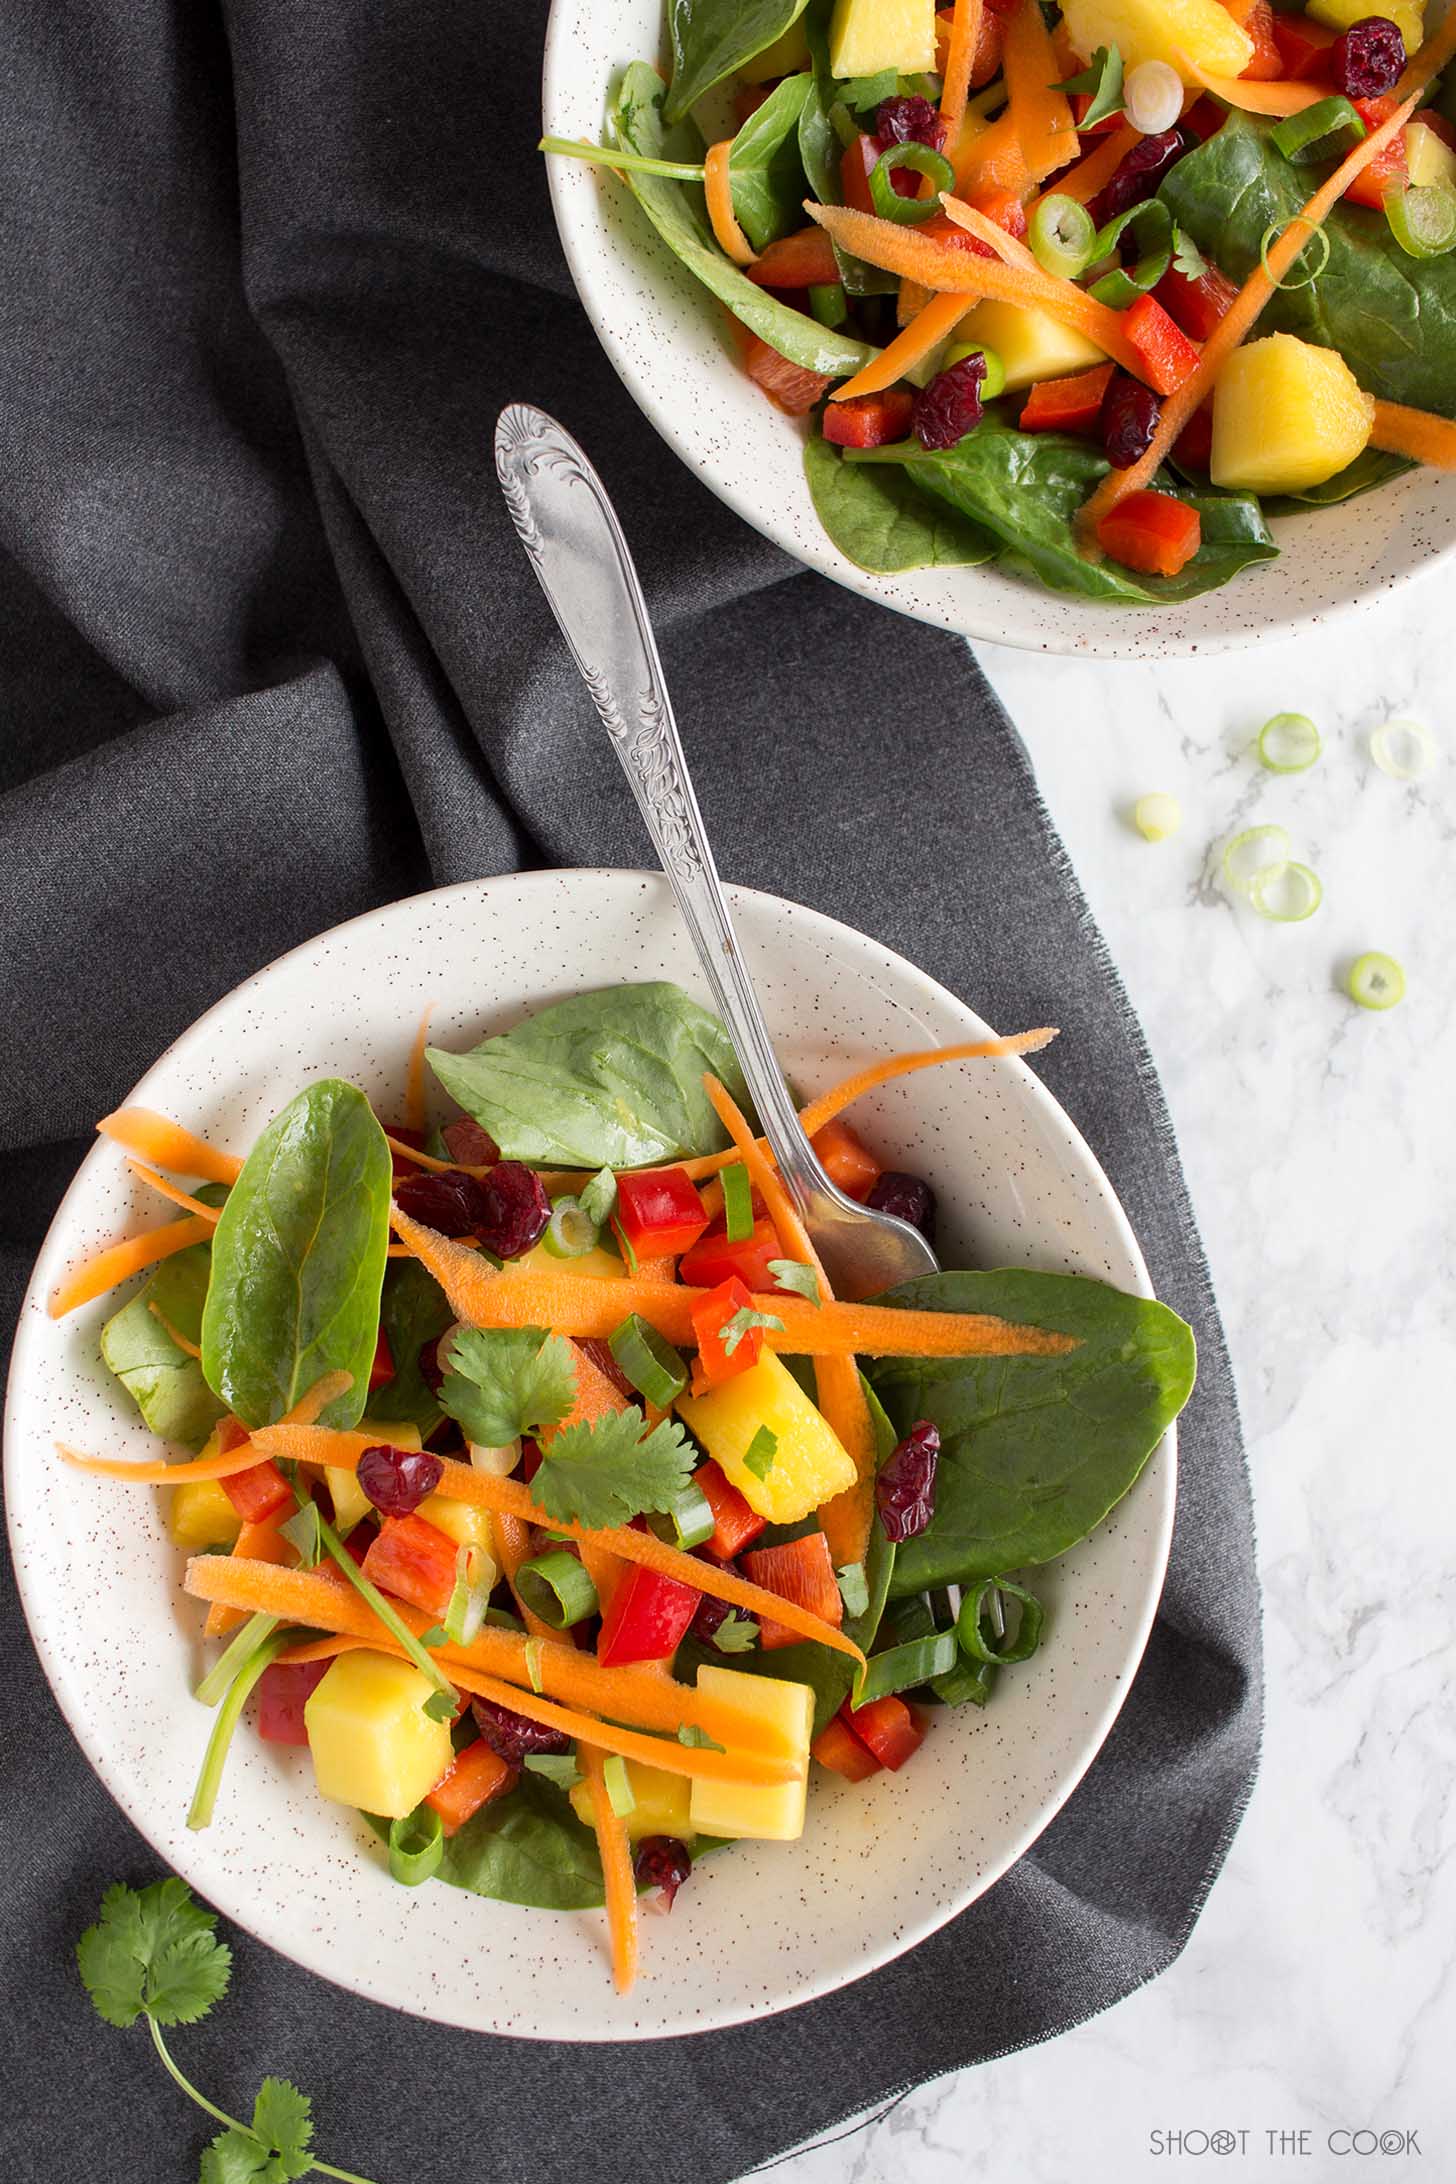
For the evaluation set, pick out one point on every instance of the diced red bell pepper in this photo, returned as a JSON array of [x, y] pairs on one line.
[[1304, 48], [710, 1318], [1194, 444], [713, 1259], [381, 1372], [846, 1160], [414, 1560], [1387, 170], [891, 1729], [283, 1689], [1168, 356], [789, 386], [1256, 19], [869, 420], [599, 1353], [838, 1748], [660, 1212], [530, 1459], [1205, 117], [1151, 532], [734, 1523], [1073, 404], [1004, 207], [472, 1779], [1198, 304], [258, 1491], [803, 260], [361, 1538], [802, 1570], [855, 165], [647, 1619]]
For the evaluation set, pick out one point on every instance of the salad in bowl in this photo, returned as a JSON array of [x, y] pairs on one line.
[[1100, 293], [524, 1474]]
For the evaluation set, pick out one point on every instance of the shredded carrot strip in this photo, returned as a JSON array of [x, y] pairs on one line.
[[1043, 114], [155, 1472], [174, 1191], [1422, 435], [157, 1138], [513, 1547], [174, 1334], [718, 189], [1008, 248], [832, 1103], [616, 1857], [965, 33], [262, 1542], [1256, 96], [120, 1261], [846, 1519], [414, 1085], [1091, 175], [926, 331], [1237, 321], [991, 159]]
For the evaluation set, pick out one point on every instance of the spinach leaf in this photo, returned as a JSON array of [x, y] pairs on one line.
[[876, 517], [1361, 476], [712, 38], [602, 1080], [412, 1311], [676, 211], [1391, 317], [765, 167], [298, 1258], [164, 1382], [880, 1557], [821, 152], [1034, 1451]]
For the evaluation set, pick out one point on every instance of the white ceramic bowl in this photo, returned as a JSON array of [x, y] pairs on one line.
[[666, 337], [760, 1927]]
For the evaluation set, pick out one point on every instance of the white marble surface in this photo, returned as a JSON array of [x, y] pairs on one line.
[[1317, 1993]]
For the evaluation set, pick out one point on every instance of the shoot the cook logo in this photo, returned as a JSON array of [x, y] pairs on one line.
[[1274, 2143]]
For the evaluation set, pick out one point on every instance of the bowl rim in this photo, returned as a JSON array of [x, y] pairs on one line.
[[241, 1909]]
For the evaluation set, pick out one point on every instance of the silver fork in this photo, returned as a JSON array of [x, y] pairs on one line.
[[571, 533]]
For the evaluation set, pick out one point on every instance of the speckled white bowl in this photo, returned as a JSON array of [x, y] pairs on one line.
[[762, 1926], [667, 338]]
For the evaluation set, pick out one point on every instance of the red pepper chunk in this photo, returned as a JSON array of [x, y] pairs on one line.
[[790, 387], [802, 260], [838, 1748], [889, 1728], [415, 1561], [716, 1361], [283, 1690], [1167, 355], [1387, 170], [1073, 404], [660, 1212], [1196, 304], [801, 1570], [1304, 48], [1151, 532], [647, 1620], [381, 1372], [869, 420], [472, 1779], [734, 1523], [713, 1259], [258, 1491]]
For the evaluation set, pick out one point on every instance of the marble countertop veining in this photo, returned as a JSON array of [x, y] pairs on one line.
[[1317, 1995]]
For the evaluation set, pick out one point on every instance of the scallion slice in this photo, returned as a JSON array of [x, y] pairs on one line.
[[921, 159], [1289, 743], [993, 380], [1151, 226], [970, 1624], [901, 1668], [571, 1231], [1404, 749], [737, 1203], [649, 1360], [1253, 854], [1318, 241], [495, 1463], [1288, 894], [231, 1659], [688, 1523], [1423, 219], [1376, 981], [1327, 130], [969, 1683], [829, 303], [607, 155], [619, 1787], [416, 1846], [204, 1797], [475, 1576], [556, 1587], [1157, 816], [1062, 236]]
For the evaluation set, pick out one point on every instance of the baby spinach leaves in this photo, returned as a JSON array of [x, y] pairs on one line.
[[712, 38], [298, 1260], [1034, 1451], [765, 168], [413, 1310], [164, 1380], [880, 519]]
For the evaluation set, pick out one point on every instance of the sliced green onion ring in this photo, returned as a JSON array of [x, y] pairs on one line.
[[1288, 895], [620, 1795], [1258, 850], [416, 1846], [557, 1588], [1327, 130], [969, 1683], [649, 1360], [902, 1667], [737, 1203], [209, 1780], [921, 159], [1289, 743], [1061, 236], [571, 1230], [1151, 227], [994, 382], [972, 1636], [1376, 981], [1317, 240], [475, 1577], [1422, 219], [689, 1523], [1404, 749], [1157, 816]]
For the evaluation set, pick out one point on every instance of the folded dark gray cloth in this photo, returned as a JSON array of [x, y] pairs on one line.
[[273, 655]]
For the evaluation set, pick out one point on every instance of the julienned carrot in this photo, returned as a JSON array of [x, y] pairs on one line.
[[616, 1857], [241, 1458], [264, 1542], [174, 1191], [1240, 316], [166, 1144], [718, 189], [832, 1103], [960, 59], [120, 1261], [1043, 115], [414, 1083], [1008, 248], [576, 1305], [990, 160], [1420, 434], [1255, 96], [174, 1334], [1091, 175], [930, 326], [949, 271], [846, 1519], [500, 1658]]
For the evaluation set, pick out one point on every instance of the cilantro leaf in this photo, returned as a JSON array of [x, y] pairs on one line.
[[501, 1382], [440, 1706], [759, 1456], [1103, 78], [234, 2158], [610, 1472], [599, 1200], [153, 1951], [698, 1739], [732, 1331], [283, 2120], [302, 1530], [854, 1589], [736, 1633], [1188, 259], [789, 1274], [557, 1767]]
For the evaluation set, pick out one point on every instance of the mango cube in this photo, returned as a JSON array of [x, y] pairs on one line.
[[810, 1462], [661, 1808], [202, 1516], [598, 1264], [868, 35], [772, 1812], [1175, 31], [1408, 16], [1428, 161], [1031, 344], [461, 1521], [373, 1744], [1286, 416]]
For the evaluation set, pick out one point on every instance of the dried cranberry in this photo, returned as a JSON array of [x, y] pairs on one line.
[[511, 1735], [1369, 59], [469, 1144], [950, 406], [1139, 175], [397, 1480], [601, 1356], [905, 1488], [711, 1616], [432, 1372], [909, 121], [515, 1212], [449, 1202], [530, 1459], [662, 1862], [446, 1440], [1130, 413], [906, 1196]]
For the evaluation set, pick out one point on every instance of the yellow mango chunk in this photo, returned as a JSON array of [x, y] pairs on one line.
[[1428, 161], [1031, 344], [463, 1522], [201, 1515], [810, 1462], [1286, 416], [661, 1806], [788, 54], [868, 35], [373, 1744], [772, 1812], [1175, 31], [1408, 16], [598, 1264]]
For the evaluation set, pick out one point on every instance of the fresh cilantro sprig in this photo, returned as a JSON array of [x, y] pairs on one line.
[[609, 1473], [1103, 78], [154, 1953], [760, 1453], [501, 1382], [1188, 259], [744, 1320], [790, 1274], [736, 1633]]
